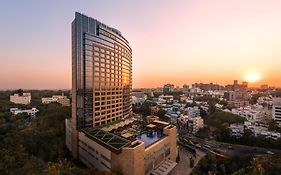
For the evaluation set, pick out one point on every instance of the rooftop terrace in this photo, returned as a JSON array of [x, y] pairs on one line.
[[109, 140], [150, 137], [122, 133]]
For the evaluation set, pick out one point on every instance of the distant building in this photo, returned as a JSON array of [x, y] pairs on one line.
[[239, 129], [173, 115], [149, 92], [61, 99], [191, 111], [265, 100], [31, 112], [236, 86], [245, 84], [207, 86], [183, 98], [24, 99], [253, 113], [185, 87], [276, 110], [165, 99], [264, 87], [195, 90], [238, 104], [168, 88], [194, 124], [237, 98], [182, 120], [262, 131], [138, 97], [154, 109], [151, 118], [237, 95], [236, 129]]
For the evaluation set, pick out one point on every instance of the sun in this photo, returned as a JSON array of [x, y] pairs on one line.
[[252, 77]]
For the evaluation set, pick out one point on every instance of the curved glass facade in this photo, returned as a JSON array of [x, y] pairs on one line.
[[101, 73]]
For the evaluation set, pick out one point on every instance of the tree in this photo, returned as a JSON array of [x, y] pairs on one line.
[[240, 172], [273, 126], [191, 162], [145, 109], [220, 117], [20, 92], [257, 167], [59, 168]]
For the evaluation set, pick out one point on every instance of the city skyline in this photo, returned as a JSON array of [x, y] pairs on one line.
[[178, 43]]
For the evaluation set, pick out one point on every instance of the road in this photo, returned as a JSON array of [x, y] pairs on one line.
[[224, 148], [183, 167], [219, 148]]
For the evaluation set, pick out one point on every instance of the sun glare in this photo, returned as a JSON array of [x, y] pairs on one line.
[[252, 77]]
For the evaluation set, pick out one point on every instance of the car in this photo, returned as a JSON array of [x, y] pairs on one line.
[[269, 152]]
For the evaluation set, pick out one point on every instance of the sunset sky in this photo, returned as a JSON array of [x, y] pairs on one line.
[[179, 42]]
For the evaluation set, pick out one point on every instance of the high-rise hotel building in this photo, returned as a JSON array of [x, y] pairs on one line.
[[101, 74], [101, 97]]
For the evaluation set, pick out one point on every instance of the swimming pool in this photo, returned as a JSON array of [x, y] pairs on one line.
[[149, 137]]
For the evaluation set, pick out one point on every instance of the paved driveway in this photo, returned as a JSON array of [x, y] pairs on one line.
[[183, 167]]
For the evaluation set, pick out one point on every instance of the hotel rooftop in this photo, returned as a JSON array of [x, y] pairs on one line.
[[138, 147]]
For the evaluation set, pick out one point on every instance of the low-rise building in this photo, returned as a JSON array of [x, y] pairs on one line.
[[191, 111], [207, 86], [239, 129], [173, 115], [238, 103], [61, 99], [195, 90], [237, 98], [276, 110], [154, 109], [183, 120], [263, 131], [264, 86], [138, 97], [165, 99], [236, 129], [183, 98], [167, 88], [265, 100], [151, 118], [254, 113], [194, 124], [24, 99], [218, 106], [31, 112]]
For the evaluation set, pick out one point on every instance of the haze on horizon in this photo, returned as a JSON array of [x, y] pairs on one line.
[[180, 43]]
